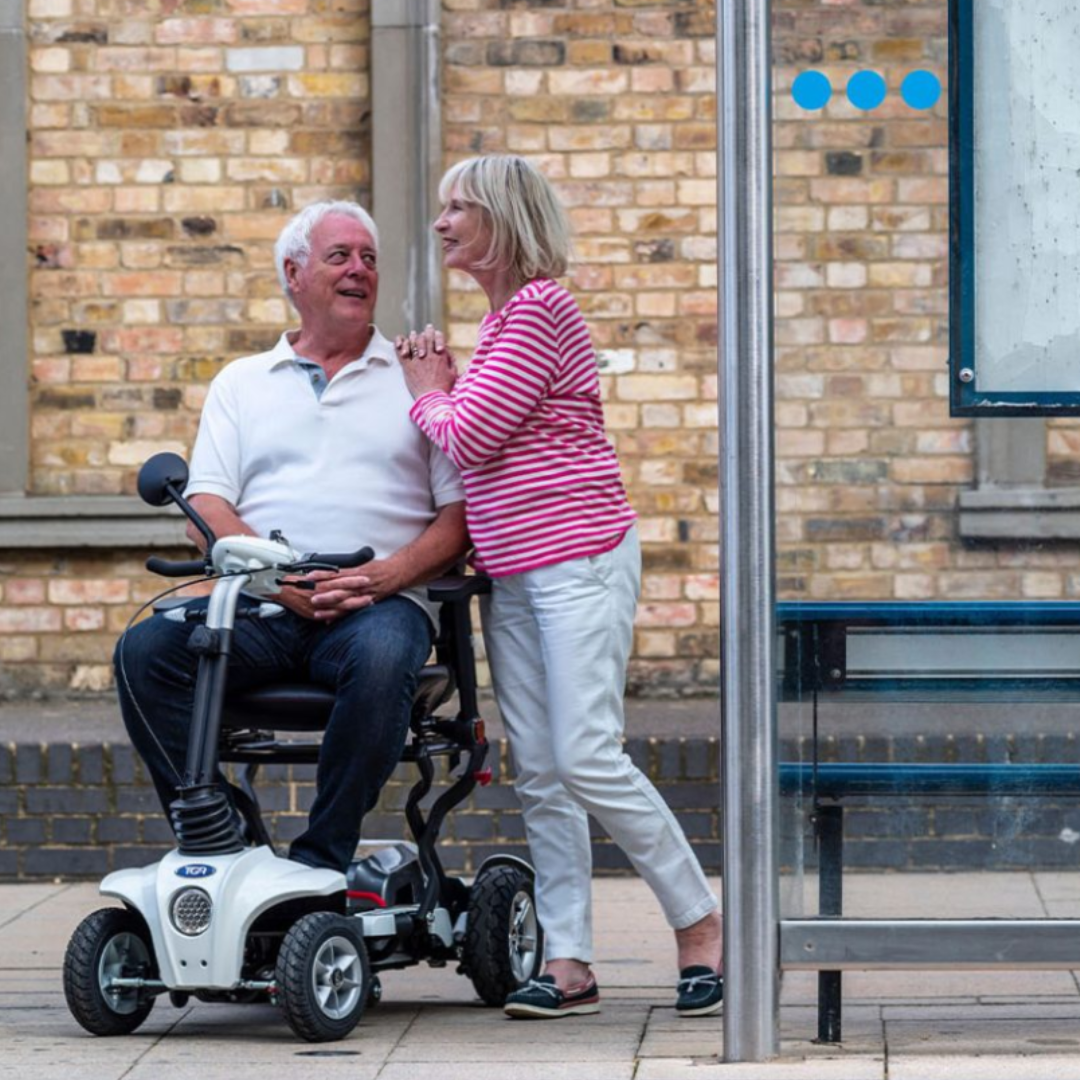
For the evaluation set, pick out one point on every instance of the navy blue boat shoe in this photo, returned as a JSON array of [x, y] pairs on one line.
[[700, 991], [541, 999]]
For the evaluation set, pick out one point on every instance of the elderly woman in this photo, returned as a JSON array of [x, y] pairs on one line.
[[552, 526]]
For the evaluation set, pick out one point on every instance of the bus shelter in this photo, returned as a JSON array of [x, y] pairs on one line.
[[899, 735]]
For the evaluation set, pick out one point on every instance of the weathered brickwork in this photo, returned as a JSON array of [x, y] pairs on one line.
[[870, 465], [616, 102], [81, 811], [169, 140], [167, 145]]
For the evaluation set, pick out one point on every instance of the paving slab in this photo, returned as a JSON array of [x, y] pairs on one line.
[[781, 1069], [1063, 909], [1057, 884], [800, 987], [979, 1037], [341, 1067], [990, 895], [487, 1068], [992, 1011], [1008, 1067]]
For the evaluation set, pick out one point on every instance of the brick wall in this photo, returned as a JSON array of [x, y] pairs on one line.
[[81, 811], [870, 464], [168, 145], [169, 142], [166, 152], [616, 102]]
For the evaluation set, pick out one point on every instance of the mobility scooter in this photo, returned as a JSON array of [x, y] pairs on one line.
[[224, 917]]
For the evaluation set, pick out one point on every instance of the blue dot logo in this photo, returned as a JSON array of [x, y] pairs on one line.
[[920, 90], [811, 90], [866, 90]]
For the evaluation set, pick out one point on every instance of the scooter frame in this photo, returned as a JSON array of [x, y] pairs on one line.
[[222, 920]]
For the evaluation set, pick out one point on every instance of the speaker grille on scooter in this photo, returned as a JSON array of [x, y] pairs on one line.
[[205, 823]]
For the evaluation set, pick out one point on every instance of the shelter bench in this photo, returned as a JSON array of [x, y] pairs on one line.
[[916, 651]]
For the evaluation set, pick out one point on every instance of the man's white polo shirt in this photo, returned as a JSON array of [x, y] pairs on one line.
[[332, 472]]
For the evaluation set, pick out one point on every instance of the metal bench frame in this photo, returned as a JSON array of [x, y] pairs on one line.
[[820, 647]]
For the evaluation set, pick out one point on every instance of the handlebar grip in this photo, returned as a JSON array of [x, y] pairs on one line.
[[355, 558], [167, 568]]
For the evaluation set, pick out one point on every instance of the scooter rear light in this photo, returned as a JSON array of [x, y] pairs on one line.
[[482, 777], [191, 911]]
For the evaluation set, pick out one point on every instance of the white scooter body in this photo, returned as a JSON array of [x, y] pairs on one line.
[[239, 888]]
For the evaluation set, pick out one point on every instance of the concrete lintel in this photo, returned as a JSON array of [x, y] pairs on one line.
[[14, 302], [1020, 513], [1021, 498], [1019, 525], [86, 522]]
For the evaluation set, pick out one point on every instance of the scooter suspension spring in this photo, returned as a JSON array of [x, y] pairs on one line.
[[204, 822]]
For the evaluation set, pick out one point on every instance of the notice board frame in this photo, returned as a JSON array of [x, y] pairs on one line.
[[967, 398]]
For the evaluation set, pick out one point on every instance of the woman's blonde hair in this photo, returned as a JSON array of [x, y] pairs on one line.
[[530, 232]]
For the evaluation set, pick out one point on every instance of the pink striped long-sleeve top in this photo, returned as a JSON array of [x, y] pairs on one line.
[[525, 426]]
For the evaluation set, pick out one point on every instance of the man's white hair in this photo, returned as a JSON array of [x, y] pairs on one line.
[[295, 239]]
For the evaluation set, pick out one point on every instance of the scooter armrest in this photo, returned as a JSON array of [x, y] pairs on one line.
[[457, 587]]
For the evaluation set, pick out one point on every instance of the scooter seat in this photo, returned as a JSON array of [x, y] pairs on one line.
[[306, 707]]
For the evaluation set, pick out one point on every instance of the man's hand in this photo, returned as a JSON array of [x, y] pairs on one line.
[[298, 601], [357, 587], [340, 592]]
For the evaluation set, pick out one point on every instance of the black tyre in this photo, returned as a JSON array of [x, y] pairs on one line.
[[504, 942], [323, 976], [110, 943]]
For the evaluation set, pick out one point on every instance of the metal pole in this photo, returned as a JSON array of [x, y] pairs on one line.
[[749, 775], [406, 159], [14, 302]]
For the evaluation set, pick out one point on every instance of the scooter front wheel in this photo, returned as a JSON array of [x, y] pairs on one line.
[[109, 944], [323, 976]]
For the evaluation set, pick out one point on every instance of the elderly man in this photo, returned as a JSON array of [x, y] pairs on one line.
[[313, 438]]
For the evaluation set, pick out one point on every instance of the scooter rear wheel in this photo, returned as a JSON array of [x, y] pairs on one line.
[[323, 976], [504, 942], [110, 943]]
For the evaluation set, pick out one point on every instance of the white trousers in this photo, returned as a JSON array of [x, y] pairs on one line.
[[558, 640]]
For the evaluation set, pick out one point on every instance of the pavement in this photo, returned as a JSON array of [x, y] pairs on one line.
[[86, 719], [96, 718], [994, 1025]]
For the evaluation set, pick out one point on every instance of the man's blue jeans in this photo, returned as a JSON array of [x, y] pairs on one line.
[[370, 659]]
